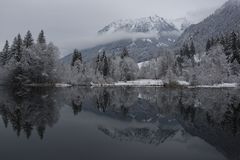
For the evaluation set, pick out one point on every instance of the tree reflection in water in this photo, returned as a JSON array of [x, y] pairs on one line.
[[29, 109], [210, 114]]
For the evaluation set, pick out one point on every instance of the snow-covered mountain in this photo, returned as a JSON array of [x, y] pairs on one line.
[[153, 34], [143, 25], [180, 23], [225, 20]]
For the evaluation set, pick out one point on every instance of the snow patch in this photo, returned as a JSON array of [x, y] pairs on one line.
[[147, 40], [183, 83], [62, 85], [162, 45], [141, 82], [142, 64], [223, 85]]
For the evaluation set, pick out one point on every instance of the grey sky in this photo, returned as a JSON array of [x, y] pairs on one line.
[[74, 23]]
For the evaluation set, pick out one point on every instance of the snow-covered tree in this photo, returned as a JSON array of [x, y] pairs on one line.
[[4, 55], [32, 63], [41, 38], [128, 69], [76, 56], [17, 48], [28, 40], [213, 68]]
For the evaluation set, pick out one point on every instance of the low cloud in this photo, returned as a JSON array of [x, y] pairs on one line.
[[92, 41]]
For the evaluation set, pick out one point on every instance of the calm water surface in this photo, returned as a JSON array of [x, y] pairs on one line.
[[119, 124]]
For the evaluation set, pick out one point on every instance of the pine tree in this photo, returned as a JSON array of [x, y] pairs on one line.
[[76, 56], [97, 64], [238, 43], [235, 54], [5, 53], [41, 38], [234, 41], [208, 45], [103, 56], [212, 41], [186, 50], [104, 66], [222, 40], [17, 48], [28, 40], [192, 50], [124, 53]]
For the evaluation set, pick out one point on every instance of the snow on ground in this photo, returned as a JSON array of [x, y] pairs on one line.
[[183, 83], [141, 82], [142, 64], [62, 85], [161, 45], [224, 85], [152, 82]]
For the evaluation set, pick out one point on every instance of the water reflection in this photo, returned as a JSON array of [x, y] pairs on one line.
[[28, 110], [153, 116]]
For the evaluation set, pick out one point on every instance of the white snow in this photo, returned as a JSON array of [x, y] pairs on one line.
[[150, 24], [197, 58], [224, 85], [152, 82], [183, 83], [161, 45], [142, 64], [141, 82], [147, 40], [62, 85]]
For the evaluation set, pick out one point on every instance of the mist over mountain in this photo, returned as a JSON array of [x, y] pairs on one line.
[[143, 37]]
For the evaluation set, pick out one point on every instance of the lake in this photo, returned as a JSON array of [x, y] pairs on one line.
[[119, 124]]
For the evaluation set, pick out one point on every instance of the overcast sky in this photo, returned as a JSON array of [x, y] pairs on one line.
[[74, 23]]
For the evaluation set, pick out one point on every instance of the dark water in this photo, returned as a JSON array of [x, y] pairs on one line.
[[119, 124]]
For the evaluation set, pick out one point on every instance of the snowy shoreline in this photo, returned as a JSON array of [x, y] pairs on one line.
[[140, 83], [160, 83]]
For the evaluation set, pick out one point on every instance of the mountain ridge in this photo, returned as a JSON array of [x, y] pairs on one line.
[[141, 48]]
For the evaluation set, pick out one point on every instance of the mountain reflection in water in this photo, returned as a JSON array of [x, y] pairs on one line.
[[138, 117]]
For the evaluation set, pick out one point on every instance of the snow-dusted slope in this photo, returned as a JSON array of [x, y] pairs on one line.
[[143, 25], [180, 23], [225, 20], [145, 37]]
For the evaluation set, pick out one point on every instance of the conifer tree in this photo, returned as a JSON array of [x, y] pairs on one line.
[[235, 55], [124, 53], [208, 45], [105, 66], [212, 41], [192, 50], [186, 50], [97, 64], [238, 43], [28, 40], [17, 48], [76, 56], [222, 40], [5, 53], [41, 38]]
